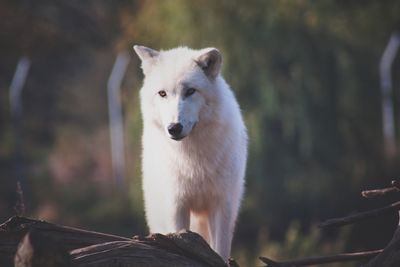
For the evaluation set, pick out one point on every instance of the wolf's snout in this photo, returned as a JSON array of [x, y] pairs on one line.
[[175, 129]]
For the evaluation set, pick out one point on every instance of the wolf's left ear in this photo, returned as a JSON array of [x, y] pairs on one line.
[[147, 55], [210, 62]]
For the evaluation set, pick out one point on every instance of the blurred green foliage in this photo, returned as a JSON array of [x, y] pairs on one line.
[[305, 74]]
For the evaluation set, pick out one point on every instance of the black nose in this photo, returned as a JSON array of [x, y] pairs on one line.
[[175, 129]]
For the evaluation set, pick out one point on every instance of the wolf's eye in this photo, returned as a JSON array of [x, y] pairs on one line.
[[190, 92], [162, 93]]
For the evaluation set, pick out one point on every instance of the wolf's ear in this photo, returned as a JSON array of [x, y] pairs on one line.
[[147, 55], [210, 62]]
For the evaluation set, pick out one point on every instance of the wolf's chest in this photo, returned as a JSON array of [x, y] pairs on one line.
[[198, 183], [199, 173], [196, 168]]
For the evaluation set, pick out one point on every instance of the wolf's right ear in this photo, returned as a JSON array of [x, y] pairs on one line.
[[210, 62], [148, 57]]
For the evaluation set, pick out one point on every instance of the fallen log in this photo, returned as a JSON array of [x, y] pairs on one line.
[[48, 245], [36, 250], [14, 229]]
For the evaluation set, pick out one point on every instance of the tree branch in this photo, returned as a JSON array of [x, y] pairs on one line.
[[322, 260], [381, 192], [360, 216]]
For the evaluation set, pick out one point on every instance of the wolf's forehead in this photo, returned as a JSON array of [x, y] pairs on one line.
[[175, 63], [175, 69]]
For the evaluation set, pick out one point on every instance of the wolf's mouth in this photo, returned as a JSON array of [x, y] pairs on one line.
[[177, 138]]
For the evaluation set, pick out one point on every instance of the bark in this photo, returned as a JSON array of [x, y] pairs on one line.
[[33, 243]]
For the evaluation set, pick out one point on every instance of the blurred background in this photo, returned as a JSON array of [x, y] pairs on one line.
[[323, 125]]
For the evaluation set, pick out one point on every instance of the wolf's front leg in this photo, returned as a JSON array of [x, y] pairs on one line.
[[222, 221], [180, 219], [164, 216]]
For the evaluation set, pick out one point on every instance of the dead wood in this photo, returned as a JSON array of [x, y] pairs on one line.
[[48, 245], [360, 216], [381, 192], [36, 250], [387, 257], [14, 229], [322, 259], [181, 249]]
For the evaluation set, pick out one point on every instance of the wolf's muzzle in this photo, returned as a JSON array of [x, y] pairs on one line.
[[175, 130]]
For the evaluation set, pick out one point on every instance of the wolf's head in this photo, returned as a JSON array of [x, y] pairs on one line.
[[179, 87]]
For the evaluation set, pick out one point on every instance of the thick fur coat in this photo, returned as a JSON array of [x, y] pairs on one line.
[[194, 145]]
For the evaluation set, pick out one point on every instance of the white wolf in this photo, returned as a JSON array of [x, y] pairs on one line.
[[194, 145]]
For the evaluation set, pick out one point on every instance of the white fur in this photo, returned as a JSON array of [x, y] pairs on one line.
[[196, 183]]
